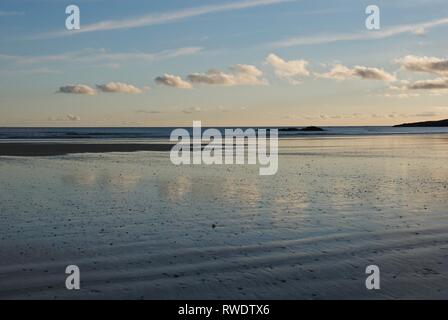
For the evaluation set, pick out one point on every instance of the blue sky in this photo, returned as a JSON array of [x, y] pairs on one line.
[[272, 62]]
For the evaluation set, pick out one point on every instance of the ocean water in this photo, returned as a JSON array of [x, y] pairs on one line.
[[72, 134], [140, 227]]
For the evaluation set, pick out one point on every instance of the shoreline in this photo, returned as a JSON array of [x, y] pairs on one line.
[[41, 149], [140, 227], [56, 147]]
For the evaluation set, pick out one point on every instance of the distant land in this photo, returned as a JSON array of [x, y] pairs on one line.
[[440, 123], [312, 128]]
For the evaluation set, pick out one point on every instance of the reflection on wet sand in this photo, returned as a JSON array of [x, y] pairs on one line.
[[141, 227], [176, 189], [123, 182], [219, 190]]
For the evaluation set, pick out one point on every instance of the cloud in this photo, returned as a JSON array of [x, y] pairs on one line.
[[405, 115], [73, 118], [31, 71], [192, 110], [240, 74], [405, 88], [148, 111], [416, 28], [341, 72], [118, 87], [434, 84], [223, 109], [401, 95], [173, 81], [328, 116], [425, 64], [164, 18], [77, 89], [101, 56], [69, 117], [288, 70], [426, 114]]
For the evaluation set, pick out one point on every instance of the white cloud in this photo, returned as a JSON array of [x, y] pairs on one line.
[[289, 70], [192, 110], [401, 95], [167, 17], [173, 81], [425, 64], [77, 89], [69, 117], [118, 87], [416, 28], [101, 56], [341, 72], [73, 117], [239, 74]]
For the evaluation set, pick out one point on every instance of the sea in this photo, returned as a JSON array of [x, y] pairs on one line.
[[162, 133]]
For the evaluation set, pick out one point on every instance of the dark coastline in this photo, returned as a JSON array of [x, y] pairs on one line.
[[440, 123], [59, 149]]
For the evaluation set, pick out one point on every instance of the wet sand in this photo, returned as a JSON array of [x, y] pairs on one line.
[[140, 228], [40, 149]]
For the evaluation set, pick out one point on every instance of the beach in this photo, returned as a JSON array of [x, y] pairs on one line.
[[44, 149], [140, 227]]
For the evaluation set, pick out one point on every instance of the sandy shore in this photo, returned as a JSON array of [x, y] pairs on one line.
[[57, 149], [139, 227]]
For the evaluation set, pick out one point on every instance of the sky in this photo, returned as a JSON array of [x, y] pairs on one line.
[[225, 63]]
